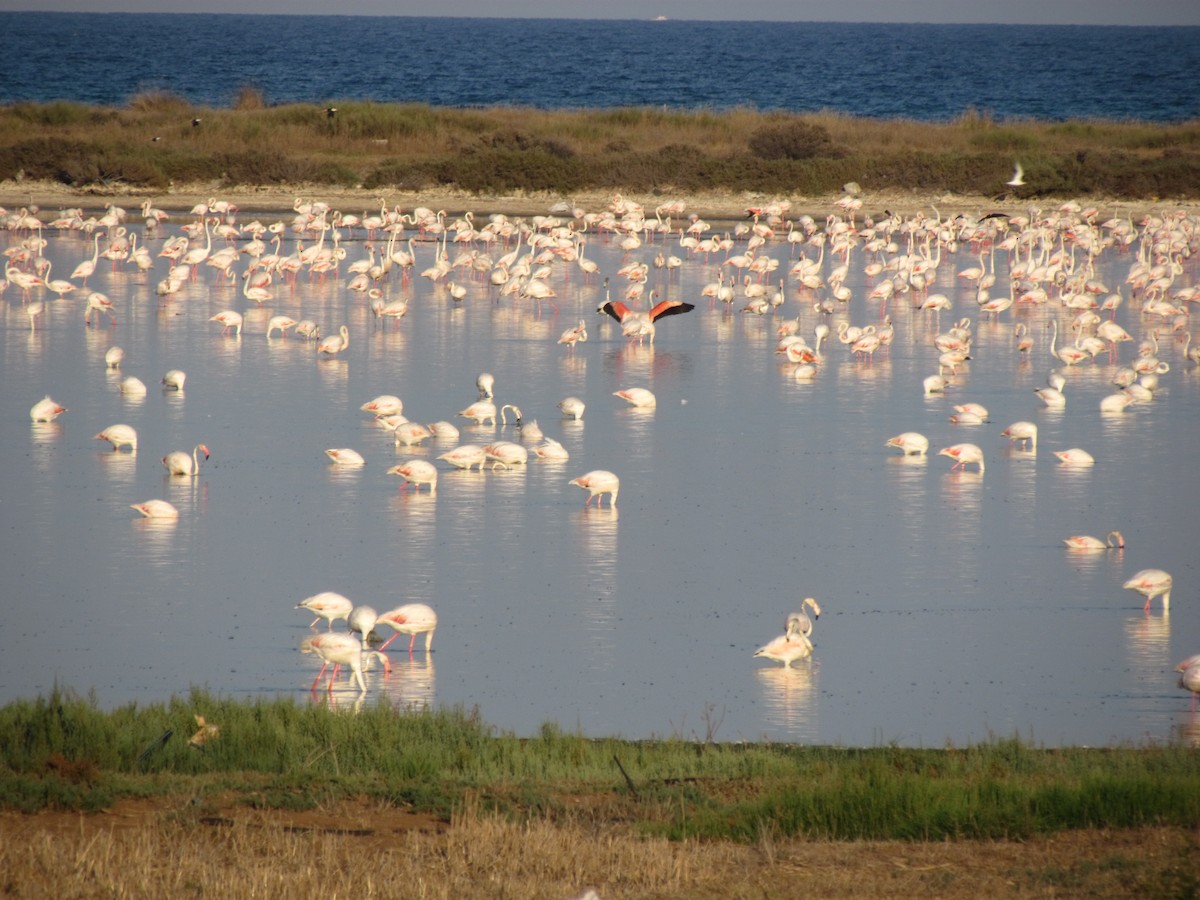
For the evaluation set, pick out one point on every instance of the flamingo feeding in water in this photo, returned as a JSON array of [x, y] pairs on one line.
[[416, 472], [963, 455], [156, 509], [1114, 541], [597, 483], [411, 619], [119, 436], [340, 650], [787, 648], [327, 605], [1151, 583], [46, 410], [910, 443]]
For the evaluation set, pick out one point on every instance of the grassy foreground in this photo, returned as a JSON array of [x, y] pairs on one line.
[[284, 787], [160, 140]]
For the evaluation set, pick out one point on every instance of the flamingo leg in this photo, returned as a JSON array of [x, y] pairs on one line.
[[319, 674], [384, 645], [411, 640]]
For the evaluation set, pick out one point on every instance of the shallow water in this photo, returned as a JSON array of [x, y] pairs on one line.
[[951, 610]]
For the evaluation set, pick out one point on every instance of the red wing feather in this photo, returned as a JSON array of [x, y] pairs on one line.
[[670, 308]]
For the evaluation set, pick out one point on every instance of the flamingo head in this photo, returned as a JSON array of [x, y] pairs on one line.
[[204, 449]]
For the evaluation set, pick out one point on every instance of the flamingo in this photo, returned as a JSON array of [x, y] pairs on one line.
[[384, 405], [910, 443], [641, 324], [416, 472], [485, 383], [1189, 678], [335, 343], [1022, 433], [179, 463], [786, 648], [551, 449], [340, 650], [173, 379], [344, 456], [327, 605], [798, 623], [572, 407], [637, 396], [119, 436], [1113, 541], [361, 620], [963, 455], [481, 411], [230, 321], [156, 509], [133, 387], [113, 357], [100, 304], [88, 266], [1075, 457], [506, 454], [597, 483], [466, 456], [1151, 583], [410, 433], [443, 431], [280, 324], [46, 410], [411, 619]]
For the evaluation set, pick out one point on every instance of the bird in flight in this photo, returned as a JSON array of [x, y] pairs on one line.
[[1018, 178]]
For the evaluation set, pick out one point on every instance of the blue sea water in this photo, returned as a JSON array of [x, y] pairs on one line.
[[921, 71]]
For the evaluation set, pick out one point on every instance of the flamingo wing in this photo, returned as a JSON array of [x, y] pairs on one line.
[[670, 308]]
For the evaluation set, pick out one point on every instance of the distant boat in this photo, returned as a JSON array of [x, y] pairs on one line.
[[660, 18]]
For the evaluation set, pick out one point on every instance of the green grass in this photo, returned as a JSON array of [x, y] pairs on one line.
[[63, 752]]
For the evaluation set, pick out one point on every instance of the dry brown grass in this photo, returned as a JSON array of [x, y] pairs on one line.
[[364, 849], [152, 143]]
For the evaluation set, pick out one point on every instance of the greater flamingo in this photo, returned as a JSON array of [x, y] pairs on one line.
[[411, 619], [963, 455], [46, 410], [119, 436], [156, 509], [179, 463], [1114, 541], [910, 443], [1151, 583], [597, 483], [327, 605]]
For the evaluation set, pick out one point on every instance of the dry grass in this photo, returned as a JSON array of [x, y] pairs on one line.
[[152, 144], [362, 849]]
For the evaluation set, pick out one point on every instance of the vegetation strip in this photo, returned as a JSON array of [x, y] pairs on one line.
[[62, 752], [151, 144]]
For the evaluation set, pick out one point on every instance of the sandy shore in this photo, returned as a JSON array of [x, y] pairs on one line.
[[714, 206]]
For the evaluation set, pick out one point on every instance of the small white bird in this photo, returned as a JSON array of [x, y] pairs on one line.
[[1018, 177]]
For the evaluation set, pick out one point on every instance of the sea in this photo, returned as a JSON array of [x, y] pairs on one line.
[[924, 72]]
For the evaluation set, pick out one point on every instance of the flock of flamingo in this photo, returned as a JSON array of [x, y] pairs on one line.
[[1051, 259]]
